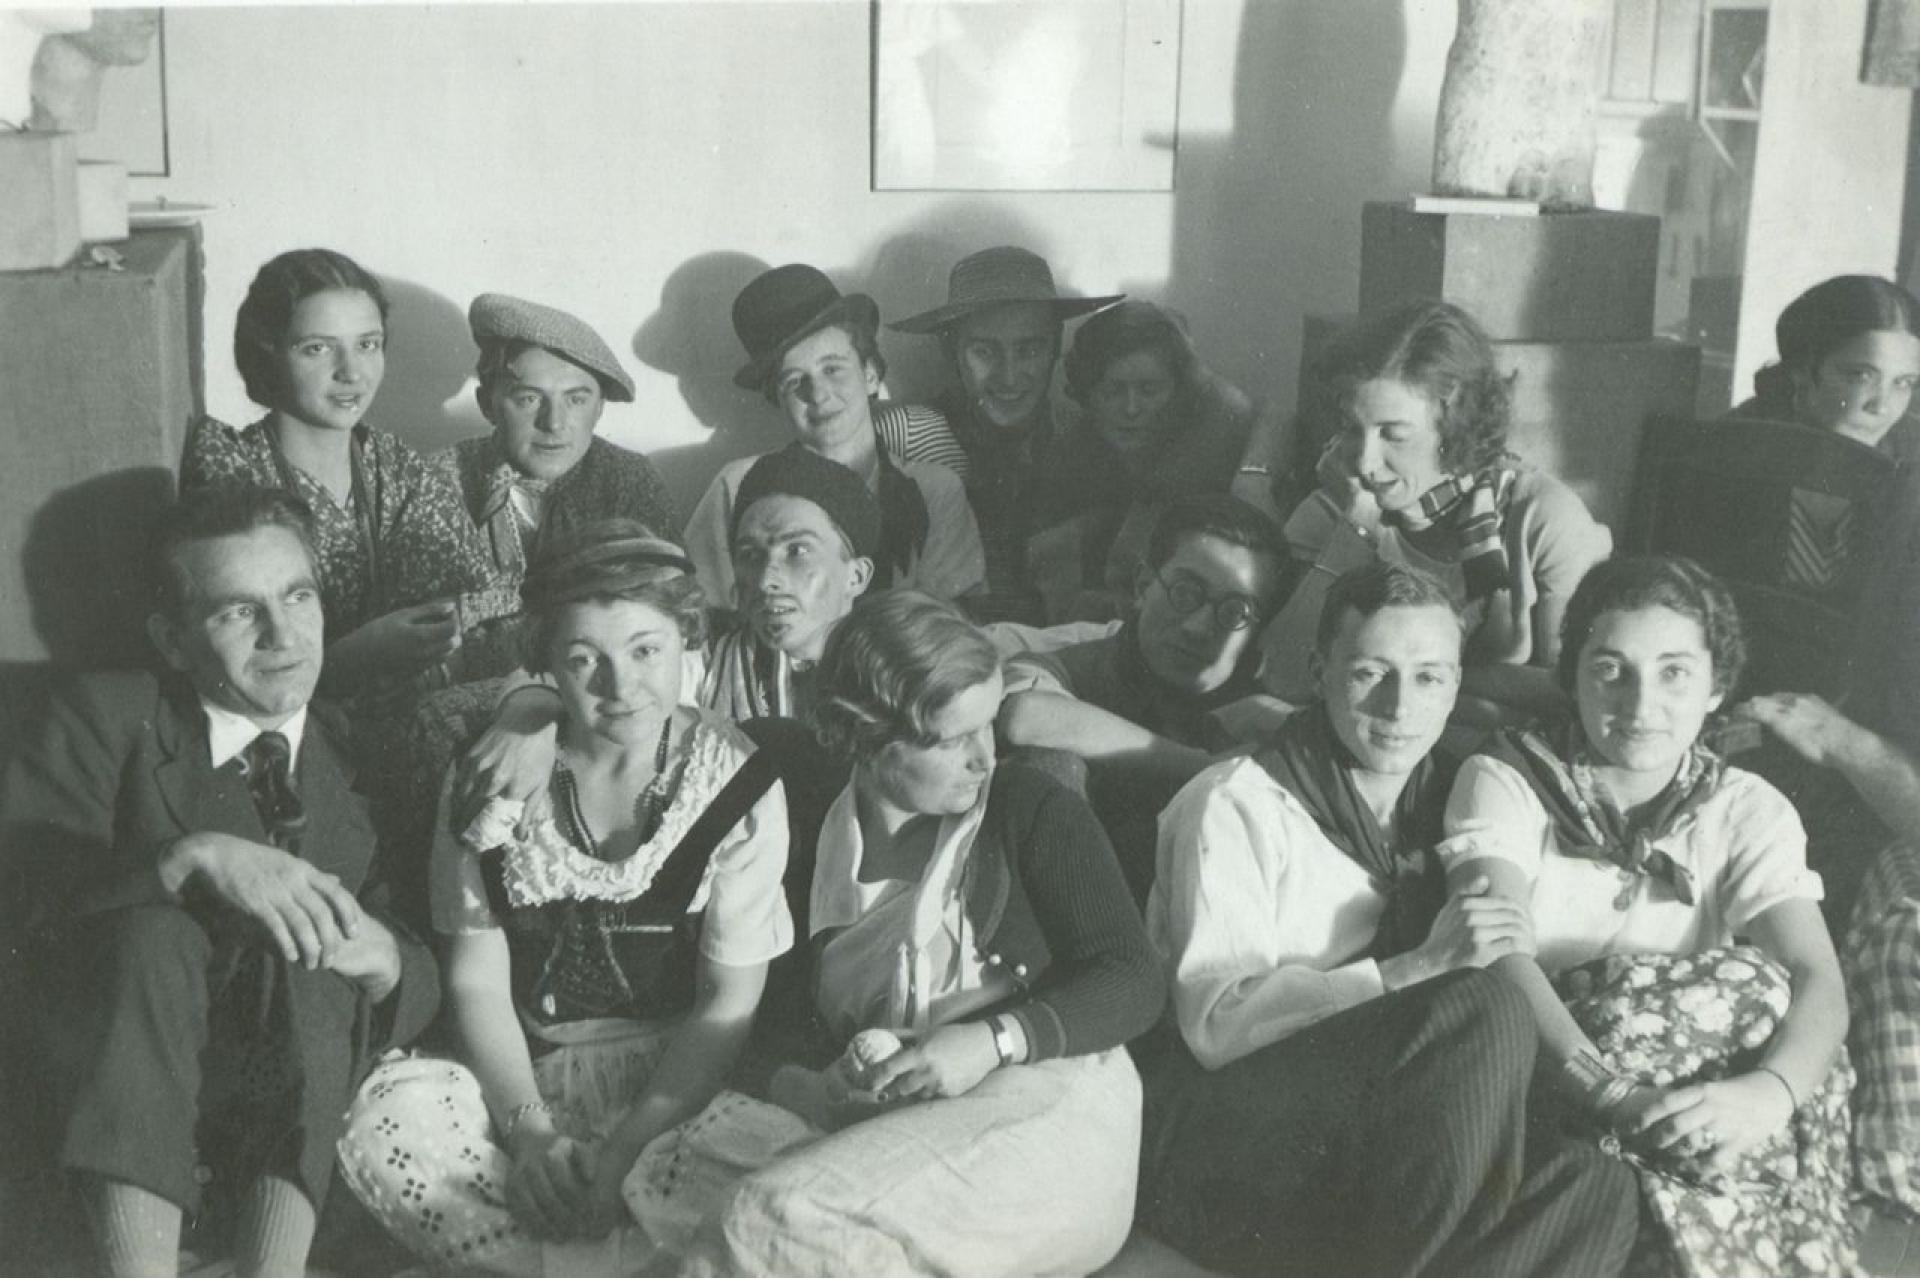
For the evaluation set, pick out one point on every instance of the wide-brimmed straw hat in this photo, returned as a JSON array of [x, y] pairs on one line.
[[781, 306], [997, 277], [497, 317]]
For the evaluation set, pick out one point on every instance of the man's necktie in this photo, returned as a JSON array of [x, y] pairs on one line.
[[270, 779]]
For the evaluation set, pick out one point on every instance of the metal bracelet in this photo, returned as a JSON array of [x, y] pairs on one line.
[[518, 1114]]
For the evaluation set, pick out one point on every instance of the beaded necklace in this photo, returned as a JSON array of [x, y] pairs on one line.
[[648, 808]]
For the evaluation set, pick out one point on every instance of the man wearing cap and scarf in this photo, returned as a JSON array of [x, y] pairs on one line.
[[812, 352], [1001, 326], [544, 377]]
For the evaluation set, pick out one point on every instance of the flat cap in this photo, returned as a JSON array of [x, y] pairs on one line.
[[496, 317]]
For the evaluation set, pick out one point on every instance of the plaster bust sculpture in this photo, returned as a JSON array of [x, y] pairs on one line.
[[69, 68], [21, 32], [1518, 103]]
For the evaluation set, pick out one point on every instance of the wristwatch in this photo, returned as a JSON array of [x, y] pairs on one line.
[[1002, 1039]]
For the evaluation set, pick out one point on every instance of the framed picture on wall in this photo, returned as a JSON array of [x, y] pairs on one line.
[[1025, 95]]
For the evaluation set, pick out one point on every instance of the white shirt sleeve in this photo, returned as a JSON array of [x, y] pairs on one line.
[[1766, 853], [954, 563], [1493, 812], [1259, 935], [747, 920], [706, 538]]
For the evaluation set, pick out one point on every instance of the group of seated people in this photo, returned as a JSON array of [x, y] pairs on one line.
[[983, 837]]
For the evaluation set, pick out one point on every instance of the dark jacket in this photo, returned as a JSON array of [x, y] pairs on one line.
[[1046, 895]]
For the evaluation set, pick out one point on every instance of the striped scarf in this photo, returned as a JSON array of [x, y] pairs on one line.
[[1472, 509]]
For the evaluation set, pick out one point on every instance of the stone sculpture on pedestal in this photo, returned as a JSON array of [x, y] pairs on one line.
[[1518, 103]]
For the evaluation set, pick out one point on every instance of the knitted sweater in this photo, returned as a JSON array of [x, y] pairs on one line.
[[1046, 897]]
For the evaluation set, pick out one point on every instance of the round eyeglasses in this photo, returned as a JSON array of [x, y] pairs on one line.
[[1230, 612]]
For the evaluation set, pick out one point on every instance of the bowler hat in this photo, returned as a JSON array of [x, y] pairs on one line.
[[997, 277], [780, 306], [496, 317]]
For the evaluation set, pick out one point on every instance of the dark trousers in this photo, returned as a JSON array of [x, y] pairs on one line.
[[1389, 1139], [151, 1083]]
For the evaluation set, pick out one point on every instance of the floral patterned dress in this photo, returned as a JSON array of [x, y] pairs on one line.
[[404, 539]]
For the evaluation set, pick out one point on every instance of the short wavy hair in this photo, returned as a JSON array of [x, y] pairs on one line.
[[1375, 586], [866, 345], [1109, 336], [213, 513], [1438, 348], [892, 664], [1655, 581], [266, 313], [606, 561]]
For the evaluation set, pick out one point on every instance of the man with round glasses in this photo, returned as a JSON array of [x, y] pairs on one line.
[[1143, 706]]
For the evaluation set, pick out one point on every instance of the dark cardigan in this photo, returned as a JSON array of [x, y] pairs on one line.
[[1045, 894]]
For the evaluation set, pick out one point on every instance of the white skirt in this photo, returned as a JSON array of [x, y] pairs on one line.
[[1032, 1172]]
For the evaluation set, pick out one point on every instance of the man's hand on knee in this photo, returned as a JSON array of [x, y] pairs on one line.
[[307, 912], [369, 958]]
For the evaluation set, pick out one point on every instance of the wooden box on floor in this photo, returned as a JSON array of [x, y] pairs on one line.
[[101, 370]]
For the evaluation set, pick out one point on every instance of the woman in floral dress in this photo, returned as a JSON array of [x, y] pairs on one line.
[[1696, 1007]]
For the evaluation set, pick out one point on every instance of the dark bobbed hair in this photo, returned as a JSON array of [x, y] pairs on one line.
[[267, 311], [866, 344], [1655, 581], [892, 664], [1219, 515], [607, 561], [1129, 328], [1827, 317], [1376, 586], [213, 513], [1438, 348]]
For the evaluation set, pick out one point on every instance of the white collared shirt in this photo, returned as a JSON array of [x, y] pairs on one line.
[[1265, 923], [228, 733]]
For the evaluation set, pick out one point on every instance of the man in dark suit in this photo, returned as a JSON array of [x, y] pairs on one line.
[[204, 916]]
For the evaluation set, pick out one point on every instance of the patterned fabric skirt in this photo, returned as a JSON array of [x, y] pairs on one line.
[[1673, 1021], [420, 1151]]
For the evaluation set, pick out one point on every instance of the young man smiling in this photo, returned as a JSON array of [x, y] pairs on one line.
[[1345, 1092], [1001, 329]]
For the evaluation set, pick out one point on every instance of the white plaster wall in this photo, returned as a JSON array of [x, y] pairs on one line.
[[1830, 174], [636, 163]]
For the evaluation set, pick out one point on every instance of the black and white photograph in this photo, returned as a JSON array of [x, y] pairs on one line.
[[960, 638]]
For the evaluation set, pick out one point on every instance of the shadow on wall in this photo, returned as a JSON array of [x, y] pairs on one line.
[[690, 337], [87, 569], [430, 355], [908, 274], [1266, 224]]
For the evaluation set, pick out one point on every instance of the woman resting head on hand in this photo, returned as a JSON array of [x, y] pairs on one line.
[[603, 961], [1684, 979], [1416, 472]]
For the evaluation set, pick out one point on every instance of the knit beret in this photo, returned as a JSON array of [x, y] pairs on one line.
[[496, 317], [794, 472]]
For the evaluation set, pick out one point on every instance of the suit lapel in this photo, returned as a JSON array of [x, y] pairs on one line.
[[339, 836], [199, 796]]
